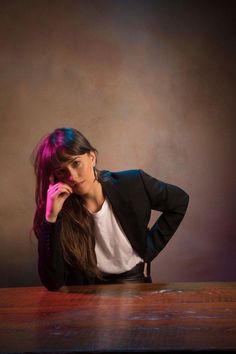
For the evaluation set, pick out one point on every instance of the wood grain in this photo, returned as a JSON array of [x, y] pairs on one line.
[[119, 318]]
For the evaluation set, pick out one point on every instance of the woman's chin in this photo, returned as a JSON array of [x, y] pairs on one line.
[[79, 189]]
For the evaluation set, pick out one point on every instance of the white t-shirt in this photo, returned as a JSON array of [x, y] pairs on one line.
[[113, 250]]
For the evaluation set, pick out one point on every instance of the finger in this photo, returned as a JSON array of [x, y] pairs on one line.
[[64, 189], [58, 189], [64, 194], [67, 186], [60, 184], [55, 187]]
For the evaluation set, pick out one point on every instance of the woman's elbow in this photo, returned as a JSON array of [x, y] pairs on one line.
[[185, 201], [50, 282], [182, 202], [51, 285]]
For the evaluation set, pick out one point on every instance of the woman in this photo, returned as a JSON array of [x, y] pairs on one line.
[[91, 224]]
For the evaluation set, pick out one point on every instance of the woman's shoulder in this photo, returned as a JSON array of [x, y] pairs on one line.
[[120, 175], [126, 179]]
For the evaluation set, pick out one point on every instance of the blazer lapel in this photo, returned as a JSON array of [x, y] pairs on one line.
[[122, 209]]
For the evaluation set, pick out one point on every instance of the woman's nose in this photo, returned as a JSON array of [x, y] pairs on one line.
[[72, 176]]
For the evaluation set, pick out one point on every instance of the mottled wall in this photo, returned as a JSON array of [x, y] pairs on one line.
[[152, 85]]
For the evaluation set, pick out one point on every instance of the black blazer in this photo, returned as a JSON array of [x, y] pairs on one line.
[[132, 194]]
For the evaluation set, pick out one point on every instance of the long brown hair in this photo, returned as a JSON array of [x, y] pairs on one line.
[[77, 227]]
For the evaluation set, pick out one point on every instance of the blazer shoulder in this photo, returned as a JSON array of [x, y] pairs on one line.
[[120, 175]]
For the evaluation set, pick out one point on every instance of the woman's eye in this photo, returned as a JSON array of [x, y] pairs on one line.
[[75, 163]]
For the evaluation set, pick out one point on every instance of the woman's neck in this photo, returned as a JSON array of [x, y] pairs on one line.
[[95, 198]]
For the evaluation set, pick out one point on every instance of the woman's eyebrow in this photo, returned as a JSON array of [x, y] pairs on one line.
[[78, 157], [69, 162]]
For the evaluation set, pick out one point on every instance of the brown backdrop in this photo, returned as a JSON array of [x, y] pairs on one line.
[[152, 85]]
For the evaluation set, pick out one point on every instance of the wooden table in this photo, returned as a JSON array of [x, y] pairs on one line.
[[119, 318]]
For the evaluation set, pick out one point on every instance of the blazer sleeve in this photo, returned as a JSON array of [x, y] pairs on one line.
[[51, 265], [172, 201]]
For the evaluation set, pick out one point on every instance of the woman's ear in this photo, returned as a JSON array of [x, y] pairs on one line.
[[93, 158]]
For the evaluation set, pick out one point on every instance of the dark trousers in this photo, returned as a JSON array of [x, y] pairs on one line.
[[134, 275]]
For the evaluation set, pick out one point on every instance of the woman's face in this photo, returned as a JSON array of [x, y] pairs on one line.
[[78, 173]]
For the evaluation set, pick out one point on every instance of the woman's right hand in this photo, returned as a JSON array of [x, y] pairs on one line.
[[56, 196]]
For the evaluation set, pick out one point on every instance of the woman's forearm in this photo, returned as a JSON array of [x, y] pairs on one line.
[[51, 264]]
